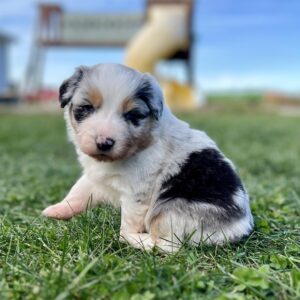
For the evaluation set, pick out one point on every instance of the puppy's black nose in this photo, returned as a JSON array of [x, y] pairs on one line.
[[107, 145]]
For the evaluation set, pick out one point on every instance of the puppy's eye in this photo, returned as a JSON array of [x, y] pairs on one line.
[[82, 111], [135, 116]]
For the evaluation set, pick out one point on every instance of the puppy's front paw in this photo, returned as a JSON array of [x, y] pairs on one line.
[[61, 211]]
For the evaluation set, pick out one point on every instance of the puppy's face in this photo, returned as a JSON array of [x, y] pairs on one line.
[[113, 110]]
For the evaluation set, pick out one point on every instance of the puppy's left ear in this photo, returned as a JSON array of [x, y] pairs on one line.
[[150, 92], [68, 87]]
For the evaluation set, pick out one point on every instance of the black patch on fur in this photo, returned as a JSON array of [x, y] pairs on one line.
[[145, 93], [62, 90], [66, 85], [205, 177]]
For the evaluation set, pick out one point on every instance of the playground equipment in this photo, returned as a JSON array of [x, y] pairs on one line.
[[4, 40], [163, 33], [55, 28], [166, 34], [7, 93]]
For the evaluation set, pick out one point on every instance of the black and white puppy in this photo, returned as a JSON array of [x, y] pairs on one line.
[[170, 181]]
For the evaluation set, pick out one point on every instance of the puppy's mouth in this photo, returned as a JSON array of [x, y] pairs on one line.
[[110, 157], [103, 157]]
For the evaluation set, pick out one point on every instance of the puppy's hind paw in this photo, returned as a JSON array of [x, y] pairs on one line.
[[138, 240], [144, 241]]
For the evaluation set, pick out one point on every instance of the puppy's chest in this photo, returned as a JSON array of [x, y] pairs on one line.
[[127, 185], [116, 183]]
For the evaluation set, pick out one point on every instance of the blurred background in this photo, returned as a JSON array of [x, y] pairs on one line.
[[205, 53], [228, 67]]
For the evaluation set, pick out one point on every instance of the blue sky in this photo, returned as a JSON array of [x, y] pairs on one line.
[[239, 44]]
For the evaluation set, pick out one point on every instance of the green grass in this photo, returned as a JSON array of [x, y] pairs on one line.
[[82, 258], [235, 101], [242, 98]]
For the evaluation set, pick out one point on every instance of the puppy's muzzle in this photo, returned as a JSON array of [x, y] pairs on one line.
[[106, 145]]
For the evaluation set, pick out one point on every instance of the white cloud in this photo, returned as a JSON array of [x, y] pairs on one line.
[[285, 82]]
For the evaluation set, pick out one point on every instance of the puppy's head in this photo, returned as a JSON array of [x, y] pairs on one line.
[[113, 110]]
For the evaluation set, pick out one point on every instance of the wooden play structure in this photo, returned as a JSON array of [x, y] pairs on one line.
[[163, 32]]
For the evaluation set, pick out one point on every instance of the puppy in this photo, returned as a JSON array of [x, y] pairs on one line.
[[172, 182]]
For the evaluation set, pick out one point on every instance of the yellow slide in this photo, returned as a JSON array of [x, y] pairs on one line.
[[164, 33]]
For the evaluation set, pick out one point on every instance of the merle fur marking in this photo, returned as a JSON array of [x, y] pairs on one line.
[[145, 93], [68, 84], [205, 177]]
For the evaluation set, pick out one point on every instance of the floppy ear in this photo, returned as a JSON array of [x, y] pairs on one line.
[[68, 87], [150, 92]]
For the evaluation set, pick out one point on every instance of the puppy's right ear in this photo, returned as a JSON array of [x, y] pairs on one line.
[[69, 86]]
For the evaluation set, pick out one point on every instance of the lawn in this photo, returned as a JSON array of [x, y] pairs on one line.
[[83, 259]]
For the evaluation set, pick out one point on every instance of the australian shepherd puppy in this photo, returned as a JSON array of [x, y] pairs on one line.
[[172, 182]]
